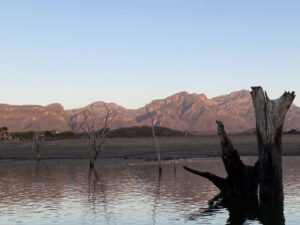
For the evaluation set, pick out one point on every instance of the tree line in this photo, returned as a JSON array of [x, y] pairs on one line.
[[125, 132]]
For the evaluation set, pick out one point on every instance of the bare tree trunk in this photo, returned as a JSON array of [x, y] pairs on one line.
[[92, 162], [93, 151], [157, 148], [93, 158], [241, 179], [156, 142], [38, 152], [270, 116], [37, 142]]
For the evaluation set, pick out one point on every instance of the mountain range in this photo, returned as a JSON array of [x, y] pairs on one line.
[[190, 112]]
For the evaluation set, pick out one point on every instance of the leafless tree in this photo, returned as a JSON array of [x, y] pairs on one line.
[[89, 124], [156, 142]]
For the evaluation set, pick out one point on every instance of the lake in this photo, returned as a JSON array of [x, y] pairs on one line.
[[121, 192]]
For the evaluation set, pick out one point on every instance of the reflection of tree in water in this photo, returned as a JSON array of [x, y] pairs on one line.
[[158, 193], [156, 199], [241, 209], [97, 188]]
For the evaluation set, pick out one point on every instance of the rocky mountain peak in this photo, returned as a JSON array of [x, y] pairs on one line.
[[182, 111], [55, 106]]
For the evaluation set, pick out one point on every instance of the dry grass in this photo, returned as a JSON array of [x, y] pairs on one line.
[[142, 148]]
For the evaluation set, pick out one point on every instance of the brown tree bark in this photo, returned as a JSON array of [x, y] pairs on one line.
[[270, 116], [243, 180]]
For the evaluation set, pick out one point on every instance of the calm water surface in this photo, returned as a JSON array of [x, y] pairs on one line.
[[65, 192]]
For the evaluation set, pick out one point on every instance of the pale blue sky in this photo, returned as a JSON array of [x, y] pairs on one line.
[[130, 52]]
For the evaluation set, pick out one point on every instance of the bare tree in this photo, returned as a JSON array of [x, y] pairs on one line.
[[156, 142], [89, 124]]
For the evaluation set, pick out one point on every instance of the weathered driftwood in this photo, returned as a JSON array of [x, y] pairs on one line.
[[243, 180], [270, 116]]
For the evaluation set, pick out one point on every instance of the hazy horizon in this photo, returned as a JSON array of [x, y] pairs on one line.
[[132, 52]]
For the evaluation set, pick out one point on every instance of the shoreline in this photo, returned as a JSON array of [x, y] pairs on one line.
[[142, 148]]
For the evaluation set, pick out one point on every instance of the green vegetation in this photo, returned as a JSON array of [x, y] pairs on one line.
[[128, 132], [61, 135], [293, 131], [24, 135], [3, 129], [144, 131], [49, 135]]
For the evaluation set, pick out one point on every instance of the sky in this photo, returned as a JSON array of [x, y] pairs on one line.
[[131, 52]]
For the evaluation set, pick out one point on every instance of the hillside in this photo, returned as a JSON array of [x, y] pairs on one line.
[[183, 111]]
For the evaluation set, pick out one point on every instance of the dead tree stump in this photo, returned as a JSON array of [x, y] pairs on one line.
[[241, 179], [270, 116], [266, 174]]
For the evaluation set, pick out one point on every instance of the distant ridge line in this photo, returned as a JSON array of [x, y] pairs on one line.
[[183, 111]]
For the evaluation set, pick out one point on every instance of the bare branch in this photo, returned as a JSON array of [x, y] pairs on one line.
[[96, 135], [231, 159], [156, 142], [219, 182]]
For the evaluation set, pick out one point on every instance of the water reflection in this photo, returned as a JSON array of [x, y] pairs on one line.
[[242, 210], [156, 199], [92, 188], [66, 192]]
